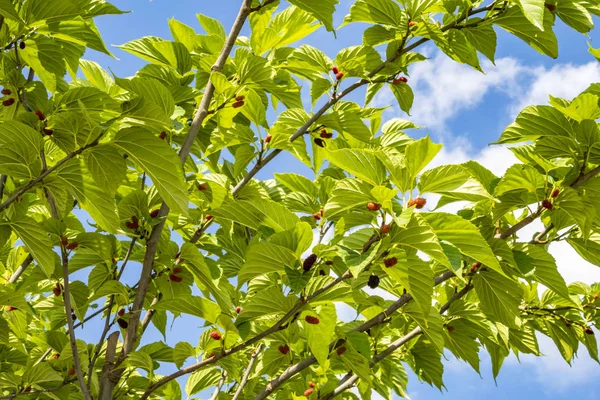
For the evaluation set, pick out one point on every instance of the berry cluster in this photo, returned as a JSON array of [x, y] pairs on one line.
[[419, 203]]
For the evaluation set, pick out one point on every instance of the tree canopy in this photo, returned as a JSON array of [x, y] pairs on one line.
[[158, 172]]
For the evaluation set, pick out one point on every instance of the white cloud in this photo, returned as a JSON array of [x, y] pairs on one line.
[[562, 80], [555, 373], [444, 88]]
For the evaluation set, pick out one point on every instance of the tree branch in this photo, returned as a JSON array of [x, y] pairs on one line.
[[350, 379], [378, 319], [219, 386], [17, 274], [72, 338], [152, 243], [244, 380], [47, 172], [109, 365]]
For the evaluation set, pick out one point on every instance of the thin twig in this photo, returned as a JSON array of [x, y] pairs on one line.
[[244, 380], [219, 386], [108, 323], [35, 392]]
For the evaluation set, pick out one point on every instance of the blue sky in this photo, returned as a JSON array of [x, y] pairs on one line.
[[461, 108]]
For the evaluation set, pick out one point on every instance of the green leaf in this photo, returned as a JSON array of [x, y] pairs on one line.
[[543, 40], [404, 94], [159, 161], [464, 235], [534, 122], [318, 336], [347, 195], [150, 90], [255, 213], [483, 38], [20, 148], [161, 52], [575, 14], [588, 249], [384, 12], [419, 236], [264, 258], [89, 195], [107, 166], [428, 363], [37, 241], [499, 297], [193, 305], [534, 11], [80, 31], [46, 57], [537, 261], [361, 163], [321, 9], [452, 181], [7, 9], [40, 373], [266, 304], [202, 379], [417, 277], [520, 177]]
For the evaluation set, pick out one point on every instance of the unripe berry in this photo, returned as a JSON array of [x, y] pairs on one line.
[[240, 98], [317, 216], [268, 138], [162, 135], [154, 213], [390, 262], [71, 371], [400, 80], [48, 132], [373, 281], [341, 351], [122, 323], [57, 291], [335, 70], [284, 349], [6, 91], [11, 308], [175, 278], [312, 320], [329, 262], [555, 193], [411, 24], [238, 309], [73, 317], [311, 384], [202, 187], [319, 142], [121, 312], [550, 7], [177, 270], [56, 356], [385, 228], [238, 104], [450, 328], [72, 246], [40, 115], [595, 297], [589, 331], [64, 240], [373, 206], [215, 335], [546, 204], [8, 102], [309, 262], [339, 75], [308, 392], [208, 217], [27, 389], [322, 212], [22, 45]]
